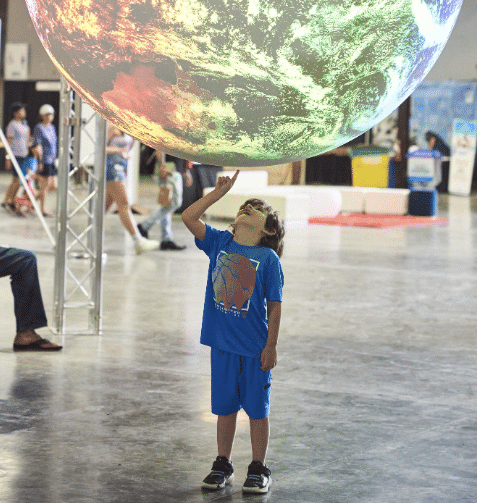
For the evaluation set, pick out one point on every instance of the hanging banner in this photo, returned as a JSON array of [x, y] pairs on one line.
[[462, 157]]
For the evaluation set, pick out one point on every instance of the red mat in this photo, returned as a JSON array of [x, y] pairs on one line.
[[379, 221]]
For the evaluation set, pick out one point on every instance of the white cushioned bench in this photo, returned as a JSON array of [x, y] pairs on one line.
[[301, 202], [374, 200], [353, 199], [293, 202], [386, 201], [291, 206]]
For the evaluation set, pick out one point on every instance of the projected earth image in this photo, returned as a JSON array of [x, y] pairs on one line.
[[244, 83]]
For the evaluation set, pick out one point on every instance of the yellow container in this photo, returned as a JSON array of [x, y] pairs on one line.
[[370, 167]]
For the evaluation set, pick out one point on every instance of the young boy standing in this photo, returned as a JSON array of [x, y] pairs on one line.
[[241, 321]]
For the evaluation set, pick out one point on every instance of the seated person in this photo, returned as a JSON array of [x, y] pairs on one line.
[[21, 266]]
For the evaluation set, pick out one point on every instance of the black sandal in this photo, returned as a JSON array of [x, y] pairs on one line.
[[36, 346]]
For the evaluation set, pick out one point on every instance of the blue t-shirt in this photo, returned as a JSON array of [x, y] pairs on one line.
[[45, 135], [29, 164], [240, 281]]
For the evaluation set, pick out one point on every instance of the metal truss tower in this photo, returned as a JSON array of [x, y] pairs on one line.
[[79, 221]]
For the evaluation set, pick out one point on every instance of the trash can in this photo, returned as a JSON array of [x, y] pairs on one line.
[[369, 166], [423, 174], [424, 168]]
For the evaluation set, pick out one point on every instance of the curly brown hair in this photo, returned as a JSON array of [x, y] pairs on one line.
[[273, 223]]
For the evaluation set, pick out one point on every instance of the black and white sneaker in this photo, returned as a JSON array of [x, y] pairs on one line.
[[144, 233], [258, 478], [222, 473]]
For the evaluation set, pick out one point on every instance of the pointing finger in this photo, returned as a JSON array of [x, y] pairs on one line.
[[235, 176]]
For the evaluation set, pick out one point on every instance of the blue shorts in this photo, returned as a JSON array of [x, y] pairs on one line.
[[48, 170], [115, 170], [239, 382], [19, 162]]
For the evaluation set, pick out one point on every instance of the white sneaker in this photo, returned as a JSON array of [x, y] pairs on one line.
[[144, 245]]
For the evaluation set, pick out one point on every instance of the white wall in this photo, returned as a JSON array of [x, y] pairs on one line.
[[20, 29], [458, 60]]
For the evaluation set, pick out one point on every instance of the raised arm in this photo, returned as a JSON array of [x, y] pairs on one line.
[[192, 215]]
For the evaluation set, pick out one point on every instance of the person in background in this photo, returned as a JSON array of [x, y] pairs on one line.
[[18, 135], [29, 166], [45, 135], [435, 142], [117, 154], [21, 266], [29, 169], [197, 177], [169, 199]]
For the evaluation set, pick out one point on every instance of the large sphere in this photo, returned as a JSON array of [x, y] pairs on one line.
[[244, 83]]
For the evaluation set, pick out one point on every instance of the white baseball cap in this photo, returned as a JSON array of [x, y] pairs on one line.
[[46, 110]]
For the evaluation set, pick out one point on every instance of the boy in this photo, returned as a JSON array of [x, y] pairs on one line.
[[241, 321]]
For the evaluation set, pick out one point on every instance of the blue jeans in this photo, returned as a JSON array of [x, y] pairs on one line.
[[163, 214], [21, 266]]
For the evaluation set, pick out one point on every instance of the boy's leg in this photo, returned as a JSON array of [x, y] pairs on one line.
[[224, 401], [226, 427], [258, 474], [259, 434], [225, 398], [256, 388]]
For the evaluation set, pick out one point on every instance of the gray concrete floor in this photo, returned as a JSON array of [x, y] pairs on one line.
[[373, 401]]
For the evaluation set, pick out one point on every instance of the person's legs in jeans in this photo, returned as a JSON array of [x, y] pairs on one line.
[[166, 227], [163, 214], [156, 216], [21, 266]]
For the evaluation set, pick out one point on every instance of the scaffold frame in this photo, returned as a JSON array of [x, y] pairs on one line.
[[79, 218]]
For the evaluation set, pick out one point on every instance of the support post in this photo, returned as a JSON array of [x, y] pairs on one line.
[[80, 213]]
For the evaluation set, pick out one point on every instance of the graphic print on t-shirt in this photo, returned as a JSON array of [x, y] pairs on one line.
[[233, 279]]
